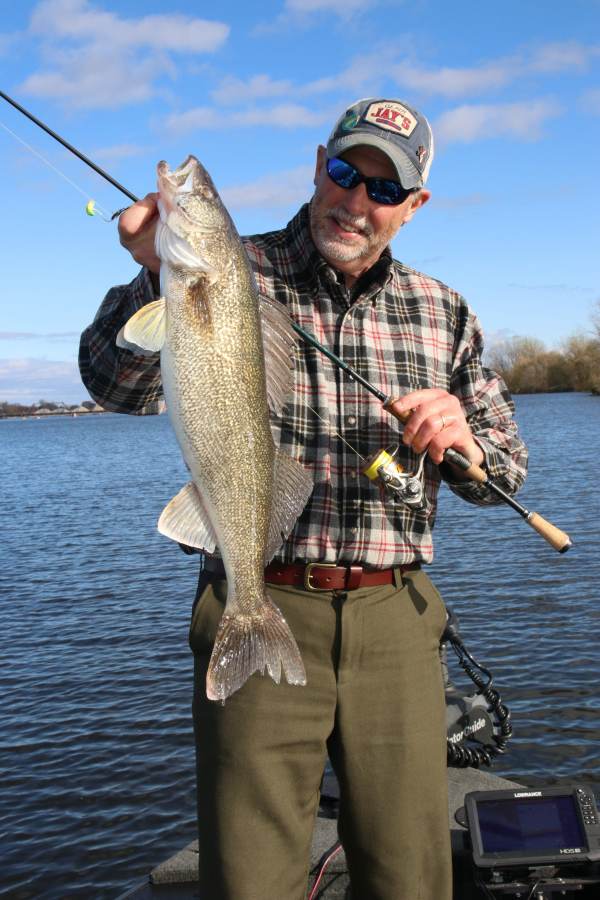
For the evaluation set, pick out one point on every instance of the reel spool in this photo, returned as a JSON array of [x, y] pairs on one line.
[[382, 466]]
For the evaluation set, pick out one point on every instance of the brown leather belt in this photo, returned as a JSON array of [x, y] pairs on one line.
[[321, 576]]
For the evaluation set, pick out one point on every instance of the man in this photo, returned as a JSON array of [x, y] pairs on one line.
[[348, 579]]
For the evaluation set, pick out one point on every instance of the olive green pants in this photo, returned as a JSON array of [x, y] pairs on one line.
[[374, 704]]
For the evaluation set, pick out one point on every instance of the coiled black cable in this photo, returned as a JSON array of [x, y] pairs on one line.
[[461, 756]]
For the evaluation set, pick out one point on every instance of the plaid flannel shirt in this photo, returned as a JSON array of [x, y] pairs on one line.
[[401, 330]]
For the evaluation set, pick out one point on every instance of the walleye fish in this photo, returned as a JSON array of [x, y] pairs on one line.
[[210, 327]]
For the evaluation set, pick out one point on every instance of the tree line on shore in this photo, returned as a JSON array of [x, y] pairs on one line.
[[528, 367], [46, 408]]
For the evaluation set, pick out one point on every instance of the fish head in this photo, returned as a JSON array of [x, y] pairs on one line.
[[191, 209]]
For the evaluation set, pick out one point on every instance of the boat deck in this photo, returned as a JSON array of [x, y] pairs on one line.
[[176, 878]]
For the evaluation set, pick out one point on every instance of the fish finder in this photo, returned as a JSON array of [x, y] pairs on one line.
[[536, 834], [533, 827]]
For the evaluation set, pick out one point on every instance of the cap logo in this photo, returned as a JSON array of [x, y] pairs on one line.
[[392, 116], [350, 121]]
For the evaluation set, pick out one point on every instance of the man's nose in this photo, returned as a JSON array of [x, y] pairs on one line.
[[357, 200]]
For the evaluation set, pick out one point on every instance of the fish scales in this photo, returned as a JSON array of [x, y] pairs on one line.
[[244, 495], [211, 380]]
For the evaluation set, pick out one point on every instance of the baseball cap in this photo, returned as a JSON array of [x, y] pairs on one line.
[[395, 128]]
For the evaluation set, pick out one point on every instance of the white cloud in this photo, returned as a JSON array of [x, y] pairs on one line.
[[237, 90], [8, 42], [117, 152], [463, 82], [466, 200], [34, 335], [285, 115], [97, 59], [473, 122], [557, 287], [451, 82], [81, 21], [590, 101], [27, 380], [363, 76], [300, 13], [343, 8], [287, 188], [98, 79], [562, 56]]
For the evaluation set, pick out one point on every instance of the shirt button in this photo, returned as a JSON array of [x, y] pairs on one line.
[[354, 530], [351, 420]]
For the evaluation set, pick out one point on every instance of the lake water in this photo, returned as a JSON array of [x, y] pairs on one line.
[[96, 749]]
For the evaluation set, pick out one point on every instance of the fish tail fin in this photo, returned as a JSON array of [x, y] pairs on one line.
[[248, 644]]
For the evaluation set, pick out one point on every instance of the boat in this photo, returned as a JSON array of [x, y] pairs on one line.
[[176, 877]]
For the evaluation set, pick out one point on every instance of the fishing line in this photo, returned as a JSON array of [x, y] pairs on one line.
[[336, 433], [383, 467], [91, 206]]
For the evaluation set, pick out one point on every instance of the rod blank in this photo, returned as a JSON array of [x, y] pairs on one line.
[[68, 146]]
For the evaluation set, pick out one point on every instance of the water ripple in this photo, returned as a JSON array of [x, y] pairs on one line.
[[96, 745]]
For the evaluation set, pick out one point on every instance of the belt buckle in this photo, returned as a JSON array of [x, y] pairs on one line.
[[307, 575]]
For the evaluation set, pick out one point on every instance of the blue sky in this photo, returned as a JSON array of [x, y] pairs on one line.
[[512, 91]]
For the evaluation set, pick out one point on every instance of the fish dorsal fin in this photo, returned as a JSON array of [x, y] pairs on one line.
[[146, 329], [185, 520], [292, 486], [279, 342]]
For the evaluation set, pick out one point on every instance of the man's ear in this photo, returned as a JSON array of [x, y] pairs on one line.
[[320, 162], [418, 200]]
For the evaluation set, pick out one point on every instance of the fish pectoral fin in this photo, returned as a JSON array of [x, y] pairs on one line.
[[185, 520], [247, 644], [292, 486], [279, 343], [146, 329]]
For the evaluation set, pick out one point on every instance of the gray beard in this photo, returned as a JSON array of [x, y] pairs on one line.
[[336, 248]]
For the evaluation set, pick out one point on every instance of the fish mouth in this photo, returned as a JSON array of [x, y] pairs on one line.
[[176, 185], [177, 178]]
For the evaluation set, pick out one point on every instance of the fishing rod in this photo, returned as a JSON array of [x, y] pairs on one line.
[[553, 535], [68, 146]]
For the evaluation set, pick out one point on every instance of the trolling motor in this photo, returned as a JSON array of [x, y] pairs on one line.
[[478, 724]]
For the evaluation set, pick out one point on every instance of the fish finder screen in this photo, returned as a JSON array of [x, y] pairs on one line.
[[542, 824]]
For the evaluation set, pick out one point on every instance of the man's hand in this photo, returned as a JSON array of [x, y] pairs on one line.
[[437, 422], [137, 227]]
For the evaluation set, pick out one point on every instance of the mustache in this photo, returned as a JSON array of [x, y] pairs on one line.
[[358, 223]]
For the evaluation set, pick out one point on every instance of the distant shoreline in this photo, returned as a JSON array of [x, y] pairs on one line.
[[16, 411]]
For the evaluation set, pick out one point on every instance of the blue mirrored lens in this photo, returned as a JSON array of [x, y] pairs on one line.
[[380, 190], [344, 175]]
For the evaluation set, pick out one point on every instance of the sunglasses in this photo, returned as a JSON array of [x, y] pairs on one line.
[[380, 190]]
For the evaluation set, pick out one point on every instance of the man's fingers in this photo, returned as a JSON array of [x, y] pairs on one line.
[[137, 229], [415, 398], [137, 217], [434, 414], [447, 420]]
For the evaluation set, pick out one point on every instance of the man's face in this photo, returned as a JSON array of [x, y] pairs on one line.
[[349, 230]]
